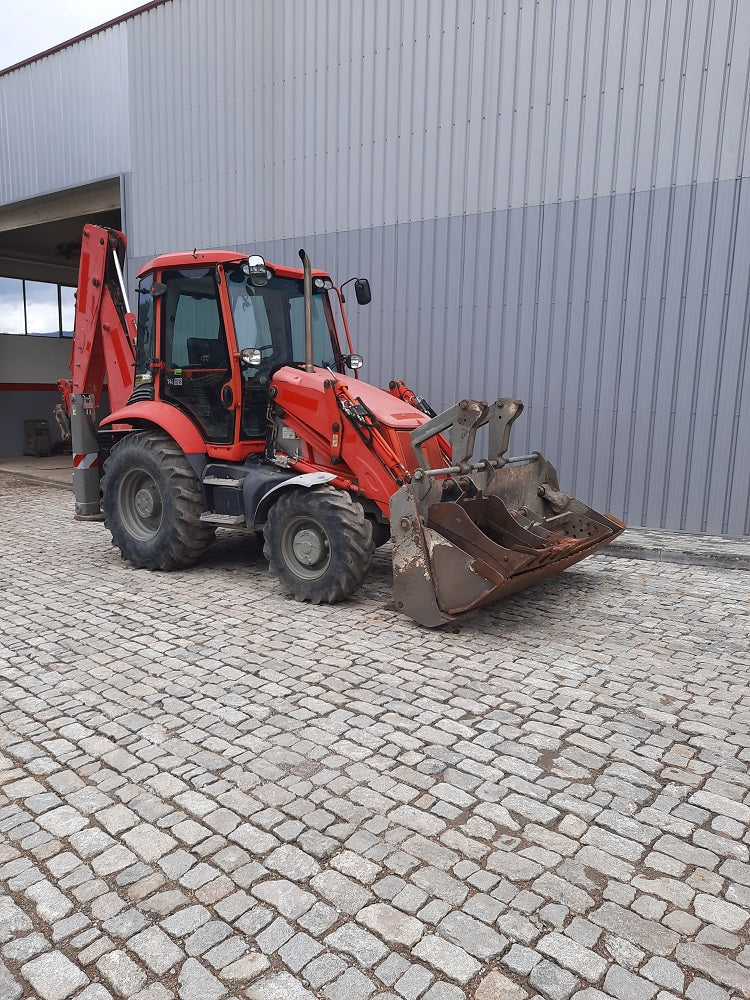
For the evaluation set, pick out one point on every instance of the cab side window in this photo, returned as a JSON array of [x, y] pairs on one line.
[[196, 359]]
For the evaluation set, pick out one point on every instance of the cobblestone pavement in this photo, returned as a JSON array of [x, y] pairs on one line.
[[208, 791]]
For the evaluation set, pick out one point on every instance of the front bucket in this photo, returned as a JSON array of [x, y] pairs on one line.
[[455, 549]]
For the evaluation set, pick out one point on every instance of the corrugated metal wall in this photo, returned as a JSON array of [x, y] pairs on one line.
[[288, 118], [64, 119], [550, 198]]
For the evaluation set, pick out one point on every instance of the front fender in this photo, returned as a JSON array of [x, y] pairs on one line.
[[259, 504], [171, 420]]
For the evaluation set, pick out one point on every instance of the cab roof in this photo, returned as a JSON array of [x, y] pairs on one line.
[[204, 258]]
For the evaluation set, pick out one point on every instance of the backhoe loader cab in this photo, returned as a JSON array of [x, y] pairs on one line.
[[233, 405], [211, 335]]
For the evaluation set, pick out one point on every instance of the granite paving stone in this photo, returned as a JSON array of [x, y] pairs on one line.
[[10, 988], [53, 976], [390, 924], [195, 982], [447, 958], [280, 986], [358, 943], [496, 986], [123, 976], [244, 969], [156, 950], [331, 804], [472, 935]]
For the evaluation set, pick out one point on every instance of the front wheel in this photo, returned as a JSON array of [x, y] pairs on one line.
[[318, 543]]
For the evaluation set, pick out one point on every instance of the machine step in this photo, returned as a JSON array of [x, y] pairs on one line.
[[232, 484], [226, 519]]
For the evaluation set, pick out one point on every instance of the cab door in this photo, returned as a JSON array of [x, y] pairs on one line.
[[195, 351]]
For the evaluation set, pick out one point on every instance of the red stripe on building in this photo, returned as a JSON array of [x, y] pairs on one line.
[[28, 387]]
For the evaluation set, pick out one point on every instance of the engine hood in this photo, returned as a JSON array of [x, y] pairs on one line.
[[302, 390]]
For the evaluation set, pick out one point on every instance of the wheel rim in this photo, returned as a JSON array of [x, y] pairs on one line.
[[140, 505], [306, 548]]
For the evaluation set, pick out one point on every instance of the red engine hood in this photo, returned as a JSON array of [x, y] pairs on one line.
[[301, 390]]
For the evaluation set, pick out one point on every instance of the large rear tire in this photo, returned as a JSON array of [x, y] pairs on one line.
[[152, 503], [318, 543]]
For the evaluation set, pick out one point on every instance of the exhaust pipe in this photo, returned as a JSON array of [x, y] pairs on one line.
[[307, 290]]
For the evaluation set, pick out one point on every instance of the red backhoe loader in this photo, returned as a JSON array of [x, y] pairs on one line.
[[231, 406]]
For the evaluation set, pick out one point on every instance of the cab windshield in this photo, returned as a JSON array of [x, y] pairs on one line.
[[272, 318]]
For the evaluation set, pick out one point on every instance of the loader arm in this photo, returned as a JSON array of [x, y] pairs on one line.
[[103, 354]]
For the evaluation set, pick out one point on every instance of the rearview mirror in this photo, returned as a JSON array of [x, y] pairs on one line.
[[362, 291]]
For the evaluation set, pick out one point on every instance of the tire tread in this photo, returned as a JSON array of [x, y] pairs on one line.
[[187, 537], [350, 559]]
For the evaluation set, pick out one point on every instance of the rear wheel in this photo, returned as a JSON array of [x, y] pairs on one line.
[[318, 543], [152, 503]]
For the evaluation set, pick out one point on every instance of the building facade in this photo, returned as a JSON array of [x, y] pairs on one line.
[[550, 199]]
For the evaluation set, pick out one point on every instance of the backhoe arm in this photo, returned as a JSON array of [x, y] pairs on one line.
[[103, 349]]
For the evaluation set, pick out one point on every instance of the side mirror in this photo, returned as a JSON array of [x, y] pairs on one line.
[[362, 291]]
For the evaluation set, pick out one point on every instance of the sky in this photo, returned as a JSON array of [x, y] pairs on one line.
[[32, 26]]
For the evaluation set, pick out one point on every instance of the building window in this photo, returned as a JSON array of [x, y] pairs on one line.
[[36, 308], [12, 314]]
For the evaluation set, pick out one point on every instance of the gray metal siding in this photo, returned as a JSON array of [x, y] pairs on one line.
[[64, 119], [267, 120], [622, 322], [550, 198]]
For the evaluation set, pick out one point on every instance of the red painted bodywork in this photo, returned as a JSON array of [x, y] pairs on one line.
[[159, 414], [311, 404], [171, 261]]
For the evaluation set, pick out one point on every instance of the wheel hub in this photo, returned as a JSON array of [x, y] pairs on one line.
[[145, 502], [308, 547]]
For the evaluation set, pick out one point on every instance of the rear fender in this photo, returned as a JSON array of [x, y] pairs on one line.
[[168, 418], [257, 504]]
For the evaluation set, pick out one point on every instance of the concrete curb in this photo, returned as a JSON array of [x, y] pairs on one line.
[[721, 552], [41, 478]]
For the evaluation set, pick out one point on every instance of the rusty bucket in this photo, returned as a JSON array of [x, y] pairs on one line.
[[466, 536]]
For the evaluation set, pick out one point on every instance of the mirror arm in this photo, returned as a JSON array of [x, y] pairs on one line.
[[341, 287]]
